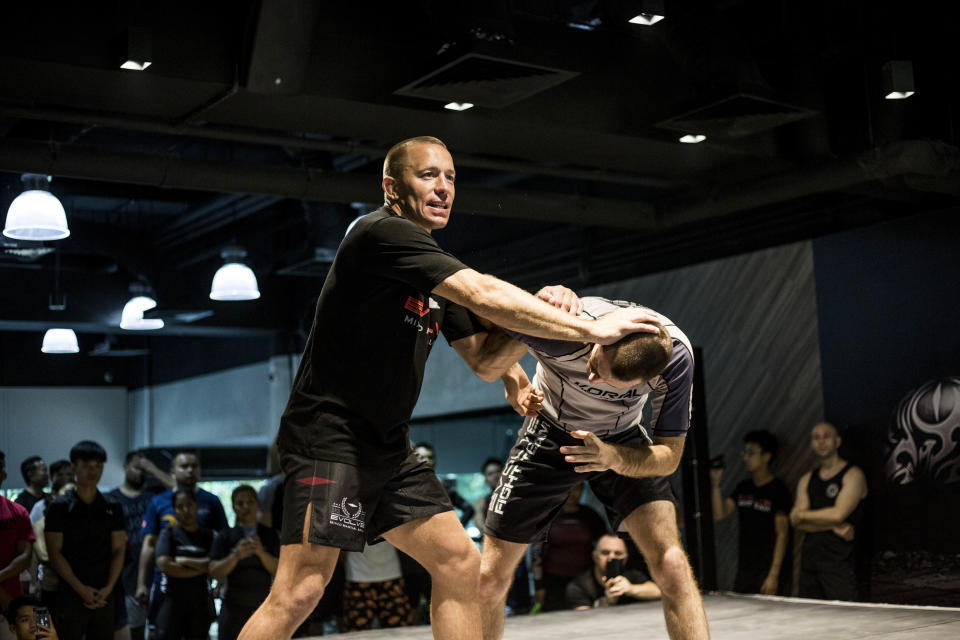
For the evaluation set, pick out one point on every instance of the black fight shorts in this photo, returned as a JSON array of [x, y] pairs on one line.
[[355, 505], [536, 480]]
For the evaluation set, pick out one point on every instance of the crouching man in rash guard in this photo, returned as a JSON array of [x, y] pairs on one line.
[[583, 411]]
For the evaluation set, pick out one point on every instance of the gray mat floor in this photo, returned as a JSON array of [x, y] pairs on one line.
[[731, 617]]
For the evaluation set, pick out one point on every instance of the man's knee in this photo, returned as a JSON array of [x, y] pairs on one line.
[[298, 601], [671, 571], [495, 579], [460, 562], [464, 557]]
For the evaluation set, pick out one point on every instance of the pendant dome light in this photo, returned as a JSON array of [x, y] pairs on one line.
[[234, 280], [36, 214], [132, 316], [60, 341]]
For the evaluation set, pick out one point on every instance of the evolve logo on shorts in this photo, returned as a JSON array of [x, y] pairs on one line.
[[347, 514]]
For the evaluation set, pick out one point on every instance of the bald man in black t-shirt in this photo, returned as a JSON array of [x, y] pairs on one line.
[[343, 439]]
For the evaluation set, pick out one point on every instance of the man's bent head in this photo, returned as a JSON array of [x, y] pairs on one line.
[[632, 360]]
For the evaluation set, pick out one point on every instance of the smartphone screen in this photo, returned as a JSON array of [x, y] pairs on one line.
[[41, 617]]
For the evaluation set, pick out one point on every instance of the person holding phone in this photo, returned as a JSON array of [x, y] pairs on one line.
[[608, 582], [29, 619]]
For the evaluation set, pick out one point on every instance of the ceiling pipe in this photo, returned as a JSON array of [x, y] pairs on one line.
[[314, 144], [230, 212], [907, 158], [174, 172]]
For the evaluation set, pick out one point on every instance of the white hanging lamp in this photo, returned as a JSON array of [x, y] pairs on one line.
[[36, 214], [60, 341], [132, 316], [234, 280]]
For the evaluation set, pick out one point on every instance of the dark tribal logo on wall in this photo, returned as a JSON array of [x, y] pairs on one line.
[[925, 437]]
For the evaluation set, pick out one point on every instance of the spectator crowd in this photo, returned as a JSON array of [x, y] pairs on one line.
[[148, 558]]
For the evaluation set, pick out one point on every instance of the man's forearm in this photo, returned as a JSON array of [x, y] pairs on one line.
[[651, 461], [65, 571], [116, 568], [508, 306], [645, 591], [17, 566], [498, 354], [220, 569], [779, 551], [146, 561], [809, 527], [716, 500], [828, 517]]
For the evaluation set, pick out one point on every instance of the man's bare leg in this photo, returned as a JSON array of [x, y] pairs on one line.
[[498, 561], [440, 544], [303, 571], [653, 527]]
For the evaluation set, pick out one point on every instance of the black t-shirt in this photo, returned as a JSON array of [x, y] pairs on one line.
[[374, 325], [584, 590], [134, 510], [176, 542], [249, 582], [27, 499], [86, 530], [757, 508]]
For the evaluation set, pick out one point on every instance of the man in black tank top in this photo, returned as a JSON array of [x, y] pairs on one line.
[[827, 510]]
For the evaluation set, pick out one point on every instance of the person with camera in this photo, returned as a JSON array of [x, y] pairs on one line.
[[763, 504], [29, 619], [608, 582]]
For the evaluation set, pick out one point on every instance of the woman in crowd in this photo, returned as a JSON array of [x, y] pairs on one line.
[[183, 556], [244, 560]]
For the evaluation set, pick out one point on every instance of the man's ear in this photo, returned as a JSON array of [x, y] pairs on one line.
[[389, 187]]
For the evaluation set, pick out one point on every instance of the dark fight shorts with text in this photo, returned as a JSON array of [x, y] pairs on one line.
[[536, 480], [353, 505]]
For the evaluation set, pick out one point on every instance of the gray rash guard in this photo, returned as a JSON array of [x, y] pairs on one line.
[[573, 402]]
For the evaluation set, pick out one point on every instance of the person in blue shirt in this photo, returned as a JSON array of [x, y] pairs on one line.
[[160, 515]]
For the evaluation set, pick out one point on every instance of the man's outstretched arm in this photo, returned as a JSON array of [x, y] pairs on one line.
[[513, 308]]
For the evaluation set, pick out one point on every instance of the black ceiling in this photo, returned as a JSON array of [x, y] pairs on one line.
[[264, 124]]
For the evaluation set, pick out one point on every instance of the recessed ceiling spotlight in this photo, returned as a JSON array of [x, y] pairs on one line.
[[136, 50], [458, 106], [133, 65], [898, 80], [646, 19], [693, 138], [648, 12]]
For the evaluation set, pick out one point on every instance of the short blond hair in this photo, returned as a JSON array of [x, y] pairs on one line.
[[641, 356], [396, 158]]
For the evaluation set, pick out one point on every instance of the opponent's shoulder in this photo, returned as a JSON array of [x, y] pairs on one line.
[[596, 306]]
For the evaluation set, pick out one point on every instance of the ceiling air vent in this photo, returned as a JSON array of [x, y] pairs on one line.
[[485, 81], [736, 116]]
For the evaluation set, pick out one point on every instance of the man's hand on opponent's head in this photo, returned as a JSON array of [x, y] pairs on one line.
[[615, 325], [562, 298]]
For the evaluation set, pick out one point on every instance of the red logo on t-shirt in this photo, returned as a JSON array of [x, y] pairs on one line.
[[416, 306], [314, 481]]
